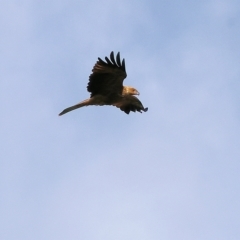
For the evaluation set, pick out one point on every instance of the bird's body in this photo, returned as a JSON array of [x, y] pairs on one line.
[[106, 87]]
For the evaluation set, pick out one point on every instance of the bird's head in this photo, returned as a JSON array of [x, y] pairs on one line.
[[127, 90]]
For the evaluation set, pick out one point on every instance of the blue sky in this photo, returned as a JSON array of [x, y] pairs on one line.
[[97, 173]]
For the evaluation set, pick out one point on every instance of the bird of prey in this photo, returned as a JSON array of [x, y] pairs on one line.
[[106, 87]]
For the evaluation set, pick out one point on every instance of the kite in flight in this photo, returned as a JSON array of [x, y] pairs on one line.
[[106, 87]]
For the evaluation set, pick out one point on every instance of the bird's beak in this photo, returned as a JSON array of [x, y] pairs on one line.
[[137, 93]]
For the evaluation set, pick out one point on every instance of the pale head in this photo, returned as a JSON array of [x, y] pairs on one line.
[[127, 90]]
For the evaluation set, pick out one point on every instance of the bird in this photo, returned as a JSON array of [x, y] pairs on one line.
[[106, 87]]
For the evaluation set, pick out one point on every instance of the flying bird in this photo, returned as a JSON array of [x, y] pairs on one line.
[[106, 87]]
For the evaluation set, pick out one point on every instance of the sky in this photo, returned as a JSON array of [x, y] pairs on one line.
[[98, 173]]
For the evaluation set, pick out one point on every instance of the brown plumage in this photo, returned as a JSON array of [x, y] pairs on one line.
[[106, 87]]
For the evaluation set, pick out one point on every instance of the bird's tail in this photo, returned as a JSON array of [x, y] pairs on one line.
[[81, 104]]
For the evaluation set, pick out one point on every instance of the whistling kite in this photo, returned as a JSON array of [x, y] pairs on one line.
[[106, 87]]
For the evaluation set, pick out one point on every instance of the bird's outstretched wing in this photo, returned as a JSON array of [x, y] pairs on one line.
[[107, 77], [130, 103]]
